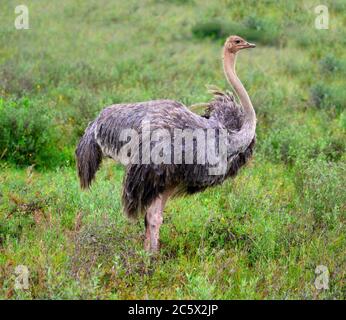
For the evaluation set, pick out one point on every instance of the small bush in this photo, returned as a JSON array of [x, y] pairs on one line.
[[329, 64], [211, 29], [319, 95], [292, 143], [78, 110], [15, 79], [222, 231], [321, 184], [327, 97], [83, 73], [28, 135], [252, 29], [252, 22], [283, 144]]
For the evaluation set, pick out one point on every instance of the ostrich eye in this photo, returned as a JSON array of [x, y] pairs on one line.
[[237, 41]]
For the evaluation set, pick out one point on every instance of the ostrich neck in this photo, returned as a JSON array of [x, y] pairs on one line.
[[229, 60]]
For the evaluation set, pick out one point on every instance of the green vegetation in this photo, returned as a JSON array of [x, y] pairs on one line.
[[29, 135], [259, 236]]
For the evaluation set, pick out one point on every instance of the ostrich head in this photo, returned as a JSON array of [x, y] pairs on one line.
[[236, 43]]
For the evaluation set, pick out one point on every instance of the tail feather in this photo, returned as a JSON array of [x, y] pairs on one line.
[[89, 157]]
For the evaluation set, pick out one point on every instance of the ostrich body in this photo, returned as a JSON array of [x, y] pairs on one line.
[[147, 186]]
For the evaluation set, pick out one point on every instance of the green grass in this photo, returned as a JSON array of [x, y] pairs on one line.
[[259, 236]]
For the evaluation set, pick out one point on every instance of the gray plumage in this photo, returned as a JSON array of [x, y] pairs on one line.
[[144, 182], [146, 185]]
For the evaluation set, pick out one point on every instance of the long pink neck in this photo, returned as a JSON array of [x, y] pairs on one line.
[[229, 60]]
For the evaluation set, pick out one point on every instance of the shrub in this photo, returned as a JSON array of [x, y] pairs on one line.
[[15, 79], [28, 135], [327, 97], [222, 231], [321, 185], [319, 95], [211, 29], [295, 142], [329, 64], [252, 22], [84, 108], [252, 29], [283, 144]]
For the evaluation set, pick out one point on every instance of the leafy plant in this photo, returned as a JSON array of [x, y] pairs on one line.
[[28, 135], [329, 64], [252, 29], [320, 184]]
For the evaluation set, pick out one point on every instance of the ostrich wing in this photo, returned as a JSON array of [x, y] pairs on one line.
[[161, 114]]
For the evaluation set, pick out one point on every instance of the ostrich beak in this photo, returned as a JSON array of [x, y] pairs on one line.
[[249, 45]]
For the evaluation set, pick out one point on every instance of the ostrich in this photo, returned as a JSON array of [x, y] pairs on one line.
[[148, 185]]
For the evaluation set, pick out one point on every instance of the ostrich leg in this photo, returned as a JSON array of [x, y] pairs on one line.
[[153, 221]]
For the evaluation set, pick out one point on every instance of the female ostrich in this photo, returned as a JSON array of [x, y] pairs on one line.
[[148, 185]]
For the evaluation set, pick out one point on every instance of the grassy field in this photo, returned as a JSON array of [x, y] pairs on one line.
[[259, 236]]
